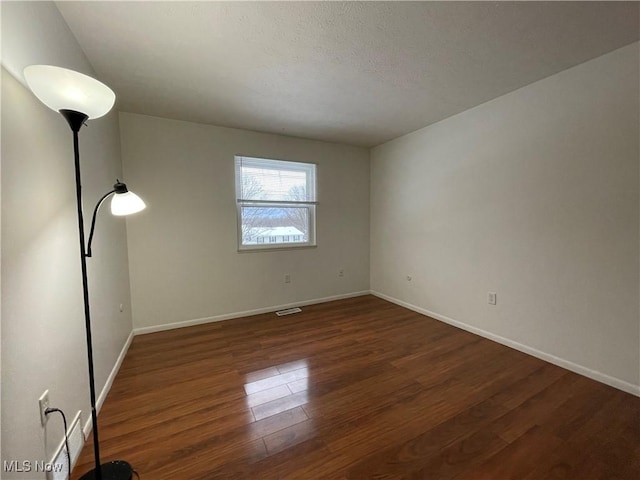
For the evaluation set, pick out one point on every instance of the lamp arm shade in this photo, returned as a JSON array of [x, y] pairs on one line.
[[126, 203]]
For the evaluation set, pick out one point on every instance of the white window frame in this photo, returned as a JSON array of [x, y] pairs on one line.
[[310, 206]]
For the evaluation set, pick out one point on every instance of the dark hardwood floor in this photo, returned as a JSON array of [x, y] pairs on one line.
[[358, 388]]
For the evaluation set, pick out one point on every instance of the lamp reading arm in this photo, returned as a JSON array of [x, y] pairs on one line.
[[117, 188], [93, 222]]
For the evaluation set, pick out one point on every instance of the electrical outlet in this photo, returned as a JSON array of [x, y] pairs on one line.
[[341, 273], [492, 298], [287, 278], [121, 307], [43, 402]]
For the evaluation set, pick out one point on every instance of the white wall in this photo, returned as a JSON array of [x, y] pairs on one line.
[[183, 257], [43, 336], [533, 195]]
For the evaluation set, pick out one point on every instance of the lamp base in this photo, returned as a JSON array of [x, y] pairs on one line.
[[117, 470]]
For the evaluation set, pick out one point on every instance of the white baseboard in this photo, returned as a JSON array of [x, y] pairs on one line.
[[107, 386], [246, 313], [561, 362]]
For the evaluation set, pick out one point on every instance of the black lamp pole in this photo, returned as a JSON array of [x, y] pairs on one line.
[[116, 470]]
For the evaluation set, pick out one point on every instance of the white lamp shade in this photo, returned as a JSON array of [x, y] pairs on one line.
[[126, 204], [62, 89]]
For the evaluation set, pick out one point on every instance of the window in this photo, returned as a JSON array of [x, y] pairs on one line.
[[276, 203]]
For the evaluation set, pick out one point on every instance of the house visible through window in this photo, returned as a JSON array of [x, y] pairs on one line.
[[276, 202]]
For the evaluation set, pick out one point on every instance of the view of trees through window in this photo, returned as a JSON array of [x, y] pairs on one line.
[[276, 224]]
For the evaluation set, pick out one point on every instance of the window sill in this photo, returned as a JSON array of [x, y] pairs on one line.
[[275, 249]]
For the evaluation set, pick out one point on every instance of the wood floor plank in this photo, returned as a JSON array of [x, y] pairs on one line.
[[357, 388], [525, 455], [536, 409], [411, 456], [462, 455]]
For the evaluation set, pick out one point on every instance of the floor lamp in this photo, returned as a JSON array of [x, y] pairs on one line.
[[79, 98]]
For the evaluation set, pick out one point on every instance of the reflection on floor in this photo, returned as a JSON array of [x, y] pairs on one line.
[[280, 391]]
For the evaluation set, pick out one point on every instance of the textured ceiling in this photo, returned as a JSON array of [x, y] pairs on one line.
[[359, 73]]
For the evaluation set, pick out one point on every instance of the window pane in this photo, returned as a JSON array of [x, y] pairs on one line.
[[266, 184], [275, 180], [276, 225]]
